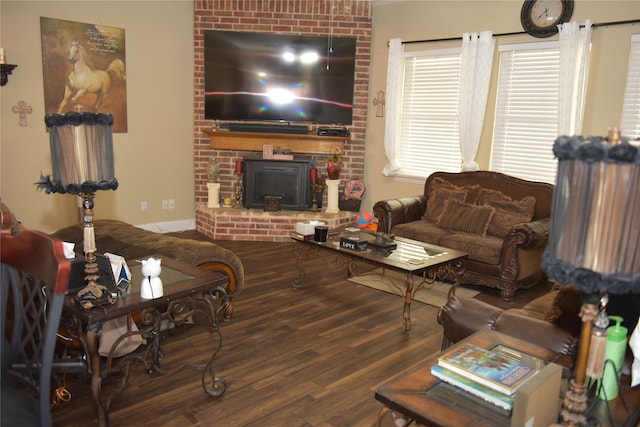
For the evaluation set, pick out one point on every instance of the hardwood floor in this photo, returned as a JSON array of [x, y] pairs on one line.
[[306, 357]]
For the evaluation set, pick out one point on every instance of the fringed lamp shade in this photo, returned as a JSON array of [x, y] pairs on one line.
[[81, 153], [594, 241]]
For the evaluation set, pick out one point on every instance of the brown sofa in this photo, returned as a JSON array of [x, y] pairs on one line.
[[550, 321], [502, 222]]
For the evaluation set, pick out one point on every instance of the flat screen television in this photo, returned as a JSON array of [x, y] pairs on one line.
[[278, 77]]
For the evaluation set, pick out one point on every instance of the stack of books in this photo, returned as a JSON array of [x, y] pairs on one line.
[[492, 375]]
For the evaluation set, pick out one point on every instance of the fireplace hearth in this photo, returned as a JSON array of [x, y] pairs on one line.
[[254, 225]]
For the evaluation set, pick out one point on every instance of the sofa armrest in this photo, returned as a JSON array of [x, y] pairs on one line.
[[529, 235], [9, 222], [539, 332], [461, 317], [399, 211]]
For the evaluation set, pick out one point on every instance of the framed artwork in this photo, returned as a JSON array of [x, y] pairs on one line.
[[84, 69]]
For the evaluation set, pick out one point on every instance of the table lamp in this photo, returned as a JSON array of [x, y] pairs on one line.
[[593, 239], [82, 160]]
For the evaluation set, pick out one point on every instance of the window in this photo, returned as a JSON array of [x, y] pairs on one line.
[[429, 138], [630, 124], [526, 119]]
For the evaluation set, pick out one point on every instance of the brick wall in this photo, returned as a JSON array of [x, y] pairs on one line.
[[318, 17]]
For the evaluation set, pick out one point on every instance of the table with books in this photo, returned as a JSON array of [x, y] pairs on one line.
[[488, 379]]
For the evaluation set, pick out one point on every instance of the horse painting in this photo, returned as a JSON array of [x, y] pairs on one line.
[[86, 79]]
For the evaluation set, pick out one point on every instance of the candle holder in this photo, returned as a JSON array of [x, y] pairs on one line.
[[314, 202], [317, 187], [238, 188]]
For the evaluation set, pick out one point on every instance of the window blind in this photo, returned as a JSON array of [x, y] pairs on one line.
[[526, 118], [630, 123], [429, 136]]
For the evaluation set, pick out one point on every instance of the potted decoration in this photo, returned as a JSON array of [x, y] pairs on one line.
[[334, 163]]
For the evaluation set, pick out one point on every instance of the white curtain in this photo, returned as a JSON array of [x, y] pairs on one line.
[[393, 105], [475, 75], [575, 45]]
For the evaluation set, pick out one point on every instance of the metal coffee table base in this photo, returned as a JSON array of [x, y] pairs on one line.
[[348, 260]]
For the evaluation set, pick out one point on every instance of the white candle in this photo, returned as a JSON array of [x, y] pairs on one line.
[[2, 57]]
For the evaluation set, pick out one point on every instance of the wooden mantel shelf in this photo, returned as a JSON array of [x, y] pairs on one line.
[[254, 141]]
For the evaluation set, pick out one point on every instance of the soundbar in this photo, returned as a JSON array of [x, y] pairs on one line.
[[333, 131], [267, 128]]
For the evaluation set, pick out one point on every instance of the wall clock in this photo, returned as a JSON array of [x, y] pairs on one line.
[[540, 18]]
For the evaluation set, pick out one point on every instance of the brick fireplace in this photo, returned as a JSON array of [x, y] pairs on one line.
[[318, 17]]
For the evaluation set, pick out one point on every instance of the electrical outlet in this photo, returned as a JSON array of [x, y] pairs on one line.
[[165, 204], [172, 204], [143, 206]]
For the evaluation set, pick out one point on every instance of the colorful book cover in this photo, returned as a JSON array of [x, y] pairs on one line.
[[472, 387], [493, 369]]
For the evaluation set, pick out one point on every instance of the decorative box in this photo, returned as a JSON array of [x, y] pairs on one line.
[[307, 227], [354, 243]]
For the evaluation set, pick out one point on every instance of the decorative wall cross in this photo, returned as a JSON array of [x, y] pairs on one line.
[[22, 109], [378, 102]]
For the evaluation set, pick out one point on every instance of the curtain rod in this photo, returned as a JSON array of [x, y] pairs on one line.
[[603, 24]]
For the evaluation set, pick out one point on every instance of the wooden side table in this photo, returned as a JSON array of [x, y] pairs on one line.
[[187, 290], [418, 396]]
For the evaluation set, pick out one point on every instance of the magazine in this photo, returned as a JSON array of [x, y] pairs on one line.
[[491, 368]]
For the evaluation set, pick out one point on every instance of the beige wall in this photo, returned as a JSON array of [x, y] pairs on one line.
[[421, 20], [154, 159]]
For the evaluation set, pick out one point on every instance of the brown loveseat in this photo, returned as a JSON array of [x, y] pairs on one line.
[[502, 222]]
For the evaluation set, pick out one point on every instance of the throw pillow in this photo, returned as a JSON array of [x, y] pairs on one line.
[[441, 191], [460, 216], [437, 200], [508, 211]]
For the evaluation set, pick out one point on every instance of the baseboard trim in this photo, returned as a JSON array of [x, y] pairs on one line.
[[170, 226]]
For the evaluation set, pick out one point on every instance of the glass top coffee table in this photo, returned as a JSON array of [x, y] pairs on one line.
[[404, 255]]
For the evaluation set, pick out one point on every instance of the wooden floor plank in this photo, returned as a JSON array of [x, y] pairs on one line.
[[306, 357]]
